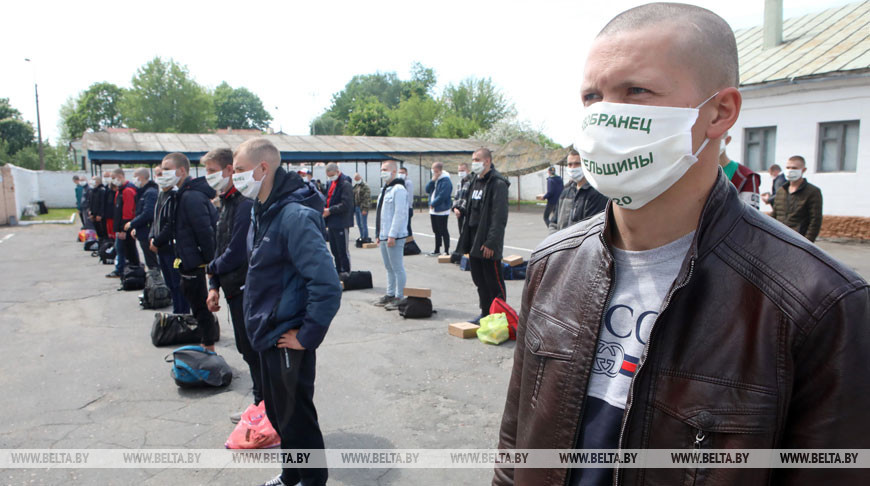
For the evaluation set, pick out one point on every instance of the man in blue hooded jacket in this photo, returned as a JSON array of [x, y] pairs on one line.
[[291, 295]]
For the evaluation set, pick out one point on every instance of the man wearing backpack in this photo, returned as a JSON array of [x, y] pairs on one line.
[[195, 218], [230, 267], [291, 296]]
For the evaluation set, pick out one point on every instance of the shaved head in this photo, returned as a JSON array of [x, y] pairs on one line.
[[702, 40], [259, 150], [142, 172]]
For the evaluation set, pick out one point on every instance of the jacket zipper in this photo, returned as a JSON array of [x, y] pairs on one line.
[[642, 362], [600, 318], [700, 435]]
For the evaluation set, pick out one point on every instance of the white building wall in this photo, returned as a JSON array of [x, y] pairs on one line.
[[796, 111]]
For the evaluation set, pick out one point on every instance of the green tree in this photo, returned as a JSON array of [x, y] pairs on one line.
[[478, 100], [507, 130], [326, 124], [455, 126], [96, 108], [369, 117], [164, 98], [57, 157], [15, 133], [415, 117], [239, 108], [422, 82], [385, 87]]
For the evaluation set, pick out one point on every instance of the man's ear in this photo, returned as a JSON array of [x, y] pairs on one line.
[[727, 111]]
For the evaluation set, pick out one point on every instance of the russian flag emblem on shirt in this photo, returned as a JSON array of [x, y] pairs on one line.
[[629, 366]]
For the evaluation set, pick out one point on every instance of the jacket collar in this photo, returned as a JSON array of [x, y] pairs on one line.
[[721, 211]]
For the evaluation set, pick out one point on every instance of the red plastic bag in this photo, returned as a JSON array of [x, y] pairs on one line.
[[497, 307], [254, 430]]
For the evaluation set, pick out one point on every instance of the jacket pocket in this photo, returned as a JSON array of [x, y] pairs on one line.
[[697, 413], [548, 340]]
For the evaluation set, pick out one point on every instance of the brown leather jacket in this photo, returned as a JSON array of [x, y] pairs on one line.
[[761, 343]]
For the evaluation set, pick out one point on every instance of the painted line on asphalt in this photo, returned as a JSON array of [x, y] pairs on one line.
[[457, 240], [10, 235]]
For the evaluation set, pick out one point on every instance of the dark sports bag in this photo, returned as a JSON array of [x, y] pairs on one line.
[[174, 329], [156, 294], [358, 280], [92, 245], [107, 252], [360, 241], [195, 366], [415, 308], [411, 248], [455, 257], [133, 277], [515, 273]]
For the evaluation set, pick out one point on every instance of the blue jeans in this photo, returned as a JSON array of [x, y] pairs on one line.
[[120, 258], [362, 222], [173, 280], [395, 267]]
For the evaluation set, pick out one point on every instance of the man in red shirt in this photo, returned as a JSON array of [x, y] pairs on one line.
[[746, 181], [125, 211]]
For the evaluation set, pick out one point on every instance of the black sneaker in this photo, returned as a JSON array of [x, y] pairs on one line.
[[476, 320], [114, 274], [383, 300]]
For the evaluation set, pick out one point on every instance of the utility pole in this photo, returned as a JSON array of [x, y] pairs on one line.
[[38, 124]]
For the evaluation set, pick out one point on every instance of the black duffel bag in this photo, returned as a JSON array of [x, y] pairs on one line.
[[156, 294], [358, 280], [92, 245], [415, 308], [411, 248], [133, 277], [173, 329], [107, 251]]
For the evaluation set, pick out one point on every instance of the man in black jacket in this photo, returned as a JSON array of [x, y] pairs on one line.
[[482, 236], [230, 267], [95, 207], [195, 218], [162, 239], [579, 200], [125, 211], [146, 198], [339, 216]]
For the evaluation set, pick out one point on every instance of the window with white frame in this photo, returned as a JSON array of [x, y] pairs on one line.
[[759, 148], [838, 146]]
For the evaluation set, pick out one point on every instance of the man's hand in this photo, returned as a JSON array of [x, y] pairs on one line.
[[151, 245], [213, 300], [539, 197], [99, 218], [457, 213], [133, 233], [391, 242], [121, 235], [326, 213], [487, 253], [288, 340], [127, 227], [766, 197], [365, 212]]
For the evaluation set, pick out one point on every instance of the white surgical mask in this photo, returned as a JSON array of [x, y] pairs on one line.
[[477, 167], [792, 175], [401, 176], [722, 147], [332, 177], [634, 153], [385, 175], [575, 173], [137, 183], [246, 184], [168, 179], [462, 174], [92, 184], [217, 181]]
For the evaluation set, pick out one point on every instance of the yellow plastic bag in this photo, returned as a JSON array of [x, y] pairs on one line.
[[493, 329]]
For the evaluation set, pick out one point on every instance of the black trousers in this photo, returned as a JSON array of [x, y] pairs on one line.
[[410, 215], [195, 290], [288, 389], [488, 276], [131, 253], [150, 257], [338, 246], [549, 210], [100, 228], [243, 344], [439, 227]]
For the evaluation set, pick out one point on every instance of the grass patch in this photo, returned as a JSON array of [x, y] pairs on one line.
[[54, 214]]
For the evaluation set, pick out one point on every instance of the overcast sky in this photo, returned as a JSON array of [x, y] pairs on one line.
[[295, 54]]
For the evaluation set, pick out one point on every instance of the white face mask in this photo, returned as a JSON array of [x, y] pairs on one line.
[[575, 173], [792, 175], [634, 153], [116, 181], [401, 176], [246, 184], [217, 181], [722, 147], [168, 179], [385, 175], [332, 177], [477, 167], [462, 174], [92, 184]]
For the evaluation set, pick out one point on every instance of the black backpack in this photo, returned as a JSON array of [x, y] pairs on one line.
[[92, 245], [107, 252], [411, 248], [415, 308], [173, 329], [156, 294], [360, 241], [195, 366], [133, 277], [358, 280]]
